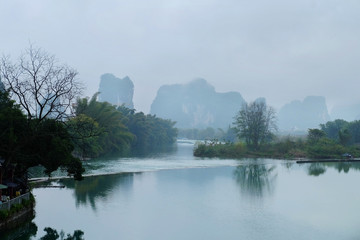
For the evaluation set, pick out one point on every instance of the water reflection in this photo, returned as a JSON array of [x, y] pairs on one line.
[[317, 169], [52, 234], [29, 230], [255, 180], [25, 232], [97, 188], [288, 165], [345, 167]]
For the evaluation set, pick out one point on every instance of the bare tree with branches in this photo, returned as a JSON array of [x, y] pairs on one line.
[[43, 87], [255, 123]]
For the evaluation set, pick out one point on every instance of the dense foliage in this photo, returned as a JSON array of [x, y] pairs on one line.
[[98, 129], [25, 143], [101, 128], [343, 132], [316, 146], [150, 131]]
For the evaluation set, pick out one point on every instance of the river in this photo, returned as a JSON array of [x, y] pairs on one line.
[[174, 195]]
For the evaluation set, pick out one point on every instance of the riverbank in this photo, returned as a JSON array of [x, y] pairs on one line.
[[17, 211], [290, 150]]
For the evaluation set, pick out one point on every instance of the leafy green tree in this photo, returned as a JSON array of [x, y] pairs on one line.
[[344, 132], [255, 123], [314, 135], [354, 129], [13, 129], [150, 131], [100, 128], [113, 136], [44, 91], [325, 148], [27, 143], [50, 145], [333, 128], [344, 137], [85, 133]]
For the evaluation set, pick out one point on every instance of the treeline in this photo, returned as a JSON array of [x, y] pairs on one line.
[[335, 139], [208, 134], [343, 132], [285, 148], [100, 128]]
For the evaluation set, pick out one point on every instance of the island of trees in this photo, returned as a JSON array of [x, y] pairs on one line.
[[255, 127]]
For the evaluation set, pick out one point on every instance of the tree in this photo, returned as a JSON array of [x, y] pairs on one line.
[[344, 137], [85, 133], [27, 143], [354, 129], [314, 135], [13, 130], [150, 131], [112, 135], [255, 123], [43, 87], [332, 129]]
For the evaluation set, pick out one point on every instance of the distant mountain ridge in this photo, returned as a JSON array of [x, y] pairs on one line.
[[301, 115], [116, 91], [196, 105]]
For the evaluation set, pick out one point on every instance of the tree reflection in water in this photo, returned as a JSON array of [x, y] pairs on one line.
[[25, 232], [317, 169], [255, 180], [52, 234], [29, 230], [342, 166], [97, 188]]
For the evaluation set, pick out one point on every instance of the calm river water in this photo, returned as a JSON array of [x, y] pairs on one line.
[[176, 196]]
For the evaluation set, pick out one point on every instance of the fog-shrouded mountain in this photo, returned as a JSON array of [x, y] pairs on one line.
[[116, 91], [346, 112], [196, 105], [302, 115]]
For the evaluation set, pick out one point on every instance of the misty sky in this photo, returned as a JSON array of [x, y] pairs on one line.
[[281, 50]]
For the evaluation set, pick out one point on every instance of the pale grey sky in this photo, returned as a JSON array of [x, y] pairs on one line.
[[281, 50]]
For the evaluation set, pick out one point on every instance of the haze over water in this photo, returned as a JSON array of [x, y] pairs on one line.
[[206, 199]]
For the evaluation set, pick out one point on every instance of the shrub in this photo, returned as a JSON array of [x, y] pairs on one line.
[[4, 214]]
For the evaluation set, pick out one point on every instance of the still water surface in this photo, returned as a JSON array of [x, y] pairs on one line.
[[177, 196]]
